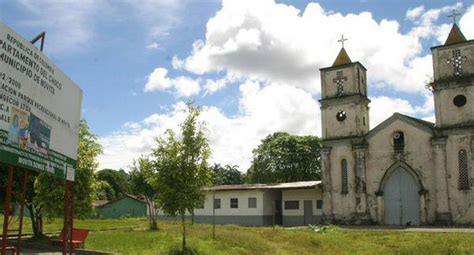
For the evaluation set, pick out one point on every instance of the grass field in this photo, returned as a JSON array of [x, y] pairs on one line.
[[129, 236]]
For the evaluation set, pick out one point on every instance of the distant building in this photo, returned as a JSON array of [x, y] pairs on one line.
[[127, 206], [287, 204]]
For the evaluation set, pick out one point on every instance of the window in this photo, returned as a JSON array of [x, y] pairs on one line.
[[463, 171], [319, 204], [252, 202], [344, 178], [398, 142], [217, 203], [234, 203], [459, 100], [341, 116], [292, 205]]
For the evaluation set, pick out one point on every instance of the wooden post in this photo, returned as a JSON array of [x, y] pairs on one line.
[[24, 190], [66, 231], [213, 215], [71, 213], [6, 216]]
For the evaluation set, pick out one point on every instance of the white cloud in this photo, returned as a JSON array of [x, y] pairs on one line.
[[158, 80], [68, 23], [71, 25], [153, 46], [266, 41], [414, 13], [263, 110], [466, 22], [383, 107]]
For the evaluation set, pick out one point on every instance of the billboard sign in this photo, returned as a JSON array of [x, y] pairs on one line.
[[40, 109]]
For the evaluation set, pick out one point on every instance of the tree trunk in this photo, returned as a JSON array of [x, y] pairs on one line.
[[152, 214], [184, 232], [192, 217], [36, 221]]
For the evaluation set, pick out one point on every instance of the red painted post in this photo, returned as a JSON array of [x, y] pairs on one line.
[[71, 213], [8, 198], [66, 221], [24, 189]]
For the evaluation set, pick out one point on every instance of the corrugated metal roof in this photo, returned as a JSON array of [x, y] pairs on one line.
[[288, 185]]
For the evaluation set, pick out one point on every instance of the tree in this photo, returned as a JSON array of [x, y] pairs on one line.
[[48, 200], [227, 174], [140, 173], [116, 183], [180, 170], [282, 157]]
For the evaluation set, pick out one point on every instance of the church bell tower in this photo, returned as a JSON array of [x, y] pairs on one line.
[[453, 84], [344, 101]]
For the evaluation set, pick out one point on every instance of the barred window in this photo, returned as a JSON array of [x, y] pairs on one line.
[[463, 171], [398, 142], [234, 203], [292, 205], [344, 181]]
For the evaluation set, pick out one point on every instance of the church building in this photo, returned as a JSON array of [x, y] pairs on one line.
[[405, 171]]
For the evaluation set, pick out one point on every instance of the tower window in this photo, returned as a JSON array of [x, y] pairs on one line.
[[459, 100], [398, 142], [341, 116], [344, 177], [463, 170]]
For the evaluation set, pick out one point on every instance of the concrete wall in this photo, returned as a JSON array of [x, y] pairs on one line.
[[461, 202], [295, 217]]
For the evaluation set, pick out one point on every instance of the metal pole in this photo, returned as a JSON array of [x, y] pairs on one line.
[[24, 189], [65, 222], [213, 215], [8, 197]]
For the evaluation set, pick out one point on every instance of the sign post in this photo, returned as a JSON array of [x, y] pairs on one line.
[[40, 110]]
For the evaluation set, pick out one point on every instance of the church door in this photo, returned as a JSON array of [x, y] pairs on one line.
[[401, 199]]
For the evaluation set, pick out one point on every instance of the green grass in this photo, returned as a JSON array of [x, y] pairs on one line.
[[129, 236]]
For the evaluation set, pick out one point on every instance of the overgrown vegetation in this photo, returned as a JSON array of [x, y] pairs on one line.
[[131, 236]]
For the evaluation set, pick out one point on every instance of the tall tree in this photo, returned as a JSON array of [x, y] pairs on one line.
[[282, 157], [48, 200], [140, 186], [180, 169], [227, 174], [116, 183]]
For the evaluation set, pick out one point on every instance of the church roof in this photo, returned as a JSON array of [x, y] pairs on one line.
[[342, 58], [455, 36], [421, 124]]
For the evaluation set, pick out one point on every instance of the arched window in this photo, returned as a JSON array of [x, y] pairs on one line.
[[398, 142], [344, 181], [463, 170]]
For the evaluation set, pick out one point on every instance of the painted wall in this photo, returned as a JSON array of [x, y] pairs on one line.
[[125, 207], [295, 217]]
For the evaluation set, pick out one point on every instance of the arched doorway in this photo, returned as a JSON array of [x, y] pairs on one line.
[[401, 198]]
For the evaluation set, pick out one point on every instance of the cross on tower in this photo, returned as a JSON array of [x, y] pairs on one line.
[[453, 15], [342, 40], [339, 80], [456, 61]]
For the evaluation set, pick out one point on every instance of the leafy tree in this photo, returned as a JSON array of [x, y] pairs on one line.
[[180, 169], [48, 200], [118, 183], [282, 157], [227, 175], [141, 171]]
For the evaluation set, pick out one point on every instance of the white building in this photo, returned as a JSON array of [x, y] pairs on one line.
[[287, 204], [405, 171]]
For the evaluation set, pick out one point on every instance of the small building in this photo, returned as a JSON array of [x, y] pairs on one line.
[[127, 206], [287, 204]]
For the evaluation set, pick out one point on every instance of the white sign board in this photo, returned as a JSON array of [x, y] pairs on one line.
[[40, 109]]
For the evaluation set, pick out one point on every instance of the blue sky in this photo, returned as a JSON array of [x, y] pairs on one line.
[[252, 65]]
